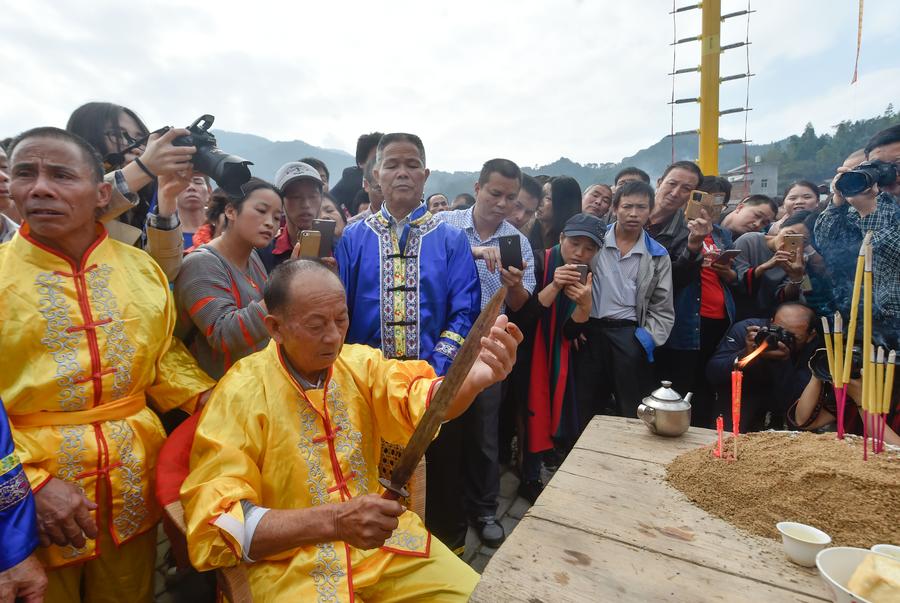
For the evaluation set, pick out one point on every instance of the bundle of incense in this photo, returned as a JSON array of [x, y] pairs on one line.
[[840, 387], [835, 353]]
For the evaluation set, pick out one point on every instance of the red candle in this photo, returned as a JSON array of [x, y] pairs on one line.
[[720, 428], [737, 377]]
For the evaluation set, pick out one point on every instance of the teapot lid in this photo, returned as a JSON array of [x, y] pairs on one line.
[[666, 393]]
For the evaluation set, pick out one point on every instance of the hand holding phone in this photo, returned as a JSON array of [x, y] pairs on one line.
[[793, 242], [511, 252], [583, 270], [326, 240], [310, 241], [726, 256], [693, 210]]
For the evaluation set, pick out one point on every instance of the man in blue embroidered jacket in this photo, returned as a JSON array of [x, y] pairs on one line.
[[413, 291], [21, 574]]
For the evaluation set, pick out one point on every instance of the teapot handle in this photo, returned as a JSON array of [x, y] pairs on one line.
[[647, 414]]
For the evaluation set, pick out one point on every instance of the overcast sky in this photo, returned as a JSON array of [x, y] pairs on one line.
[[528, 80]]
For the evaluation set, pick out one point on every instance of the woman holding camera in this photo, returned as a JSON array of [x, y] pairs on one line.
[[134, 159], [219, 290], [771, 268]]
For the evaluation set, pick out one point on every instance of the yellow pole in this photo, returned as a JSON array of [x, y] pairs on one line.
[[710, 49]]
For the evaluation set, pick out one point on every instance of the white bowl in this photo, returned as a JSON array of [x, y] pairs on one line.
[[802, 542], [891, 550], [836, 566]]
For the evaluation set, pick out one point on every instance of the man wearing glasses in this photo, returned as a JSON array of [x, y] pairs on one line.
[[839, 231]]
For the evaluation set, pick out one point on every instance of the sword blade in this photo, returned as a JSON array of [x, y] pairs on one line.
[[437, 409]]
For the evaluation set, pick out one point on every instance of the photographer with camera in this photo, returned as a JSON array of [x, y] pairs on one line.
[[777, 377], [816, 409], [865, 198], [132, 159]]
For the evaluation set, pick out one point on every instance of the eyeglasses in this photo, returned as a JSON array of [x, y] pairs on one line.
[[119, 134]]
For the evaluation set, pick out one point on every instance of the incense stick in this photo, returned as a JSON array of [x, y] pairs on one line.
[[868, 350], [840, 390], [877, 399], [854, 308]]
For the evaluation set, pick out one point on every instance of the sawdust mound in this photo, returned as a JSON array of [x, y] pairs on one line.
[[786, 476]]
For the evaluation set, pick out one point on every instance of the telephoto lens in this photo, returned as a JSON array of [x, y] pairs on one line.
[[865, 176], [229, 171]]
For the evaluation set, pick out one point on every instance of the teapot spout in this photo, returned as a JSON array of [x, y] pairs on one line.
[[688, 397]]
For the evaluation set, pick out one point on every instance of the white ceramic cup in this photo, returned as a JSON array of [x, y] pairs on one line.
[[802, 542], [891, 550]]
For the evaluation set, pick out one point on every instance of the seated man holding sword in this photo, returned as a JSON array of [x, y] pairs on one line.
[[292, 488]]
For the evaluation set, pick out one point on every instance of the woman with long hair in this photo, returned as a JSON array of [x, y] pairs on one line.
[[219, 290], [562, 200], [133, 159], [126, 144]]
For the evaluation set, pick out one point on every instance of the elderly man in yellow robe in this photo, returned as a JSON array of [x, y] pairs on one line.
[[86, 341], [284, 461]]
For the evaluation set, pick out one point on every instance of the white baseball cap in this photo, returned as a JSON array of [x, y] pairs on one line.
[[296, 170]]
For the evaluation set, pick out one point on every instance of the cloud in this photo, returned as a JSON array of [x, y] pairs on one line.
[[530, 80]]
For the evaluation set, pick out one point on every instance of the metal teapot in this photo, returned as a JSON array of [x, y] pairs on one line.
[[665, 412]]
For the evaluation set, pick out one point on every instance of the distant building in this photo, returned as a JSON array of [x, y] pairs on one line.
[[759, 178]]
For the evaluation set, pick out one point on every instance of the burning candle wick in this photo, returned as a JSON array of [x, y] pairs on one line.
[[753, 355]]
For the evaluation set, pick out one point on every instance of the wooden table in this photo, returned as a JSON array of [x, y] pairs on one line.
[[609, 528]]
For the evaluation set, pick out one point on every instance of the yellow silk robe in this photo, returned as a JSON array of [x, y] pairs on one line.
[[83, 347], [263, 439]]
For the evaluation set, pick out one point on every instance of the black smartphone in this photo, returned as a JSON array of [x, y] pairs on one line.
[[511, 252], [583, 272], [326, 242]]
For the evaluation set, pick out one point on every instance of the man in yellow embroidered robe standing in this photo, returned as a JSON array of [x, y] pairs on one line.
[[86, 334], [284, 462]]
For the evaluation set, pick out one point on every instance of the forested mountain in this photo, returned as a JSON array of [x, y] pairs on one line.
[[814, 157], [806, 155]]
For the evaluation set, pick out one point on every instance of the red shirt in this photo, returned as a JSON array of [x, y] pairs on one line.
[[712, 296]]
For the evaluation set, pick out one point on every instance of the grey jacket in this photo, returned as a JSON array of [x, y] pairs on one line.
[[654, 308]]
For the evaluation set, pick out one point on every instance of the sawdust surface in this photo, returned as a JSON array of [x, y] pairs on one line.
[[809, 478]]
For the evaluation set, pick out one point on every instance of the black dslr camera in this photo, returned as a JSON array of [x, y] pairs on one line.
[[229, 171], [865, 176], [773, 335], [818, 364]]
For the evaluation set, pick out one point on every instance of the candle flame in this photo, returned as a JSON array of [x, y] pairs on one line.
[[752, 355]]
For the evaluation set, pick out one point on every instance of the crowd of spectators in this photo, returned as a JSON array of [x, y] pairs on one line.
[[616, 288]]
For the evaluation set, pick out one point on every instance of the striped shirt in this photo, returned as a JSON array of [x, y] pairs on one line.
[[220, 313], [490, 281]]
